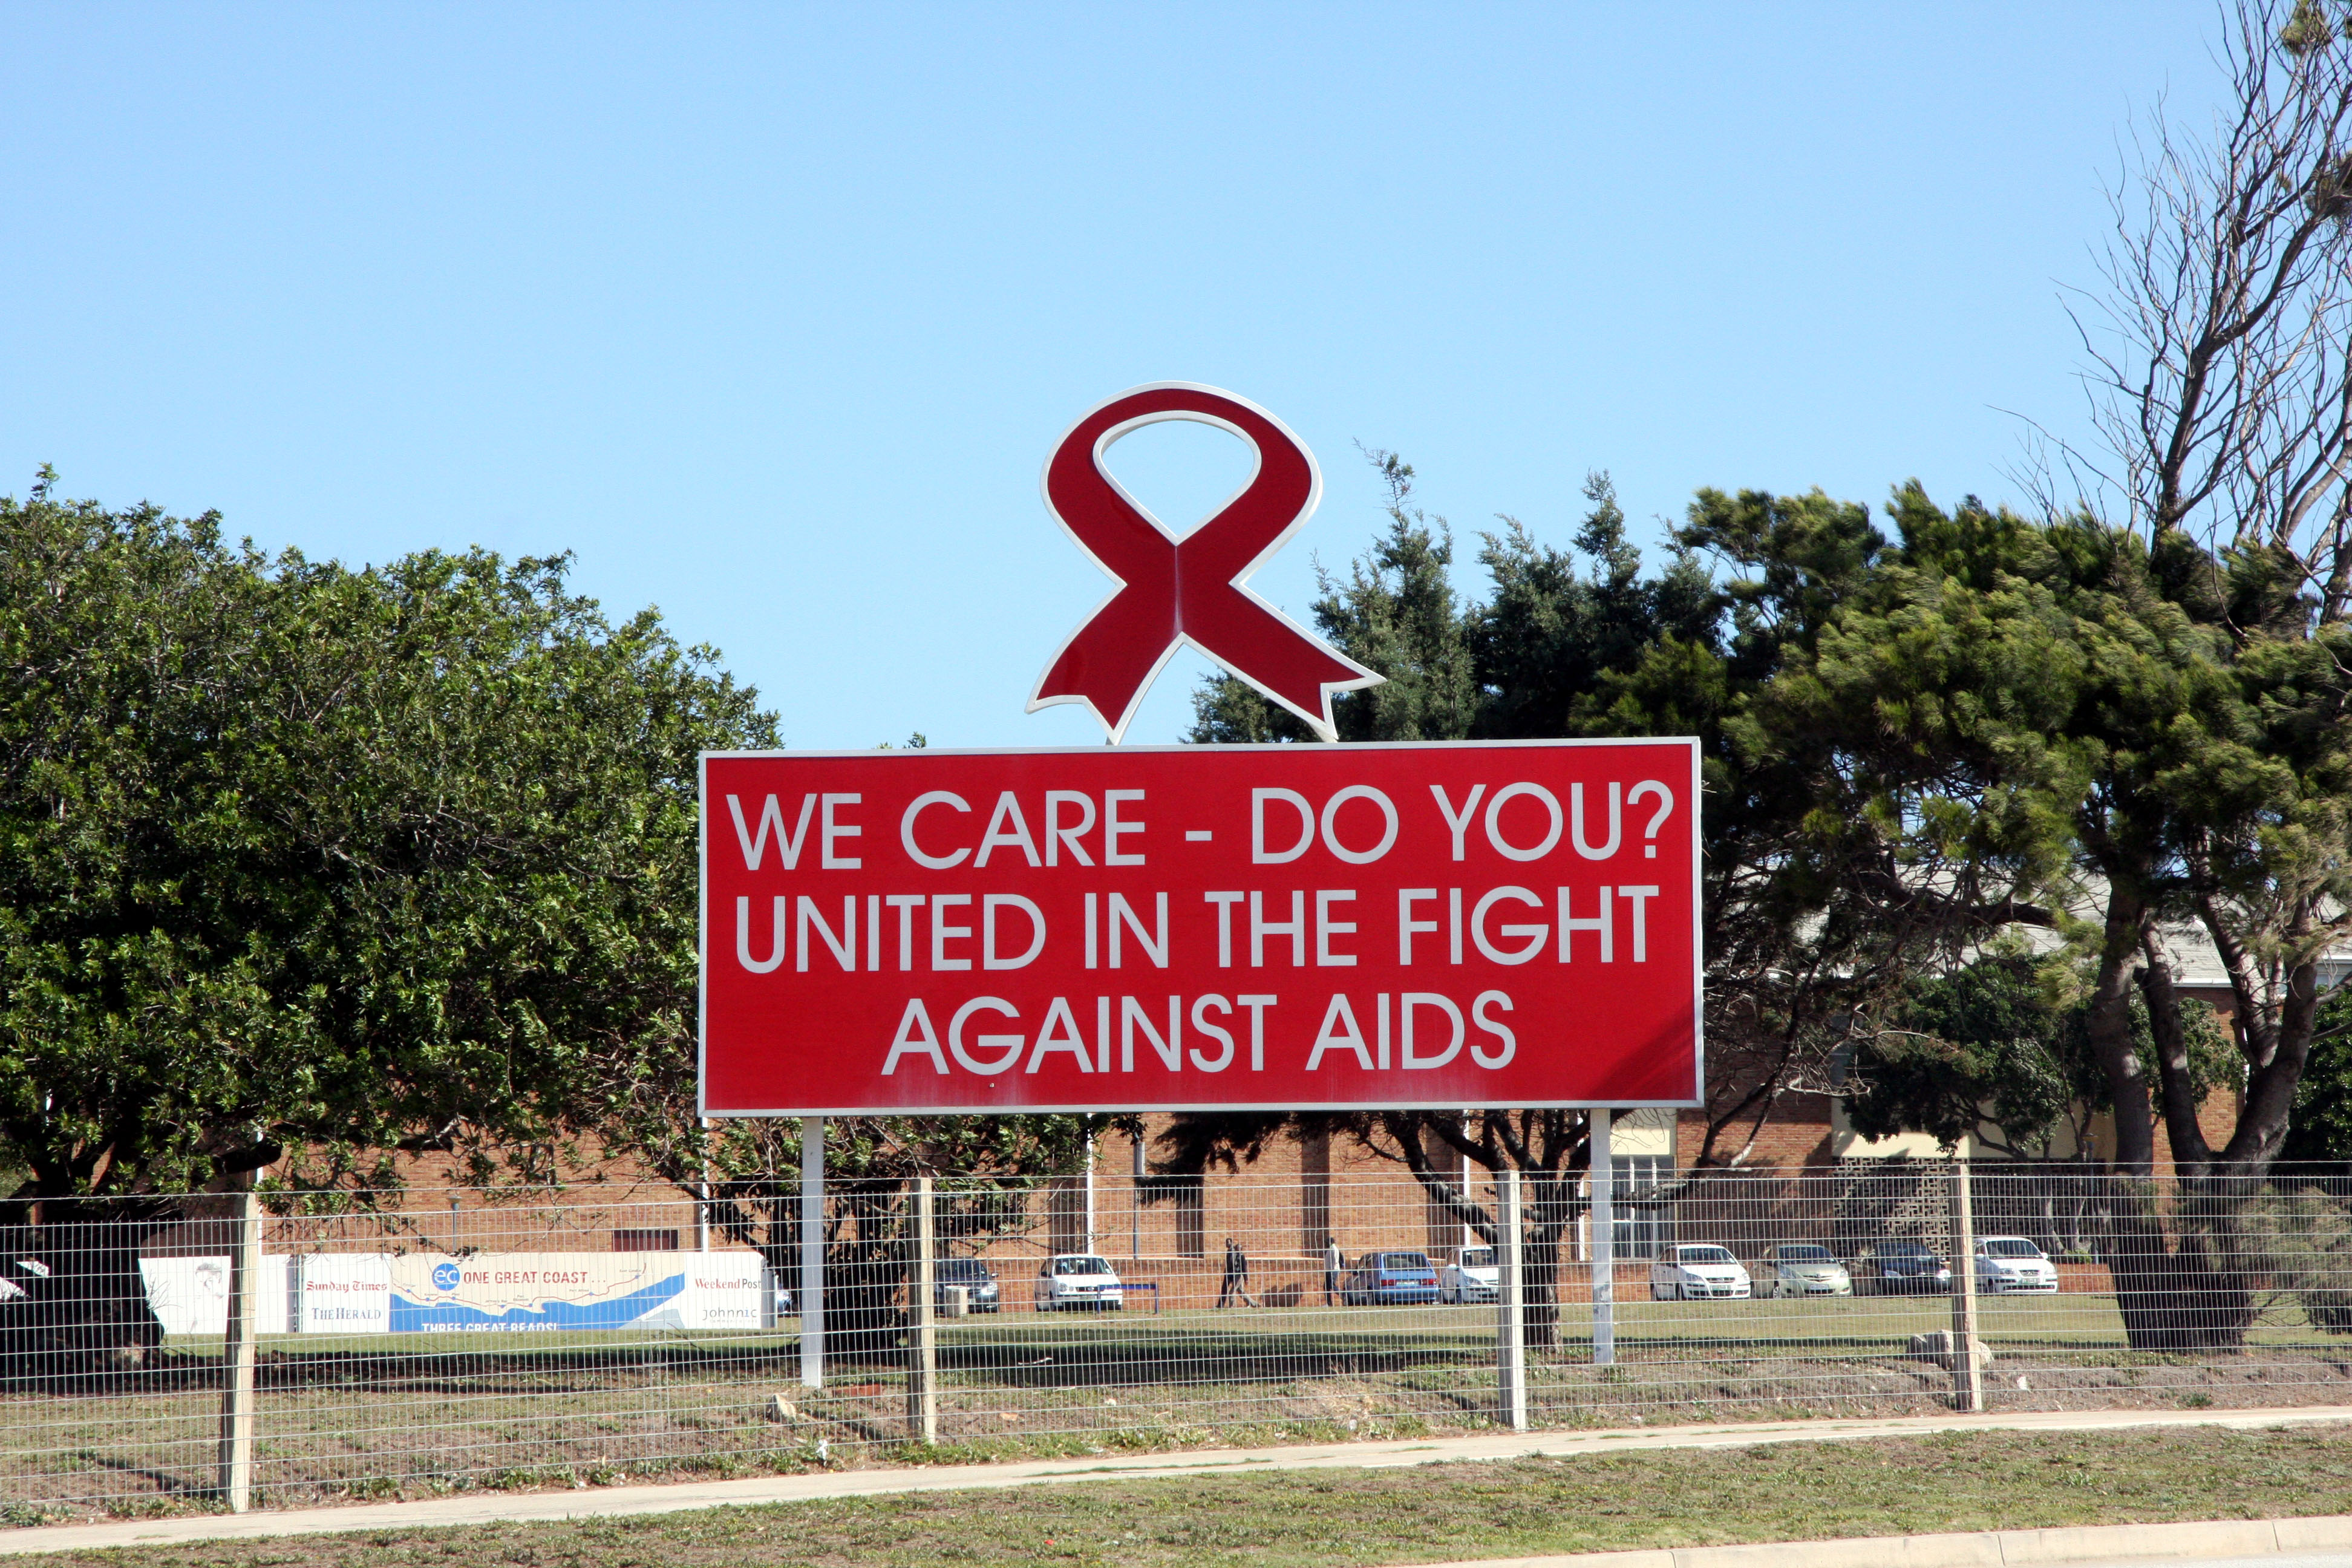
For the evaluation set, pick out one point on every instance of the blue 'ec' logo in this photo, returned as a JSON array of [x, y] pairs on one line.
[[445, 1275]]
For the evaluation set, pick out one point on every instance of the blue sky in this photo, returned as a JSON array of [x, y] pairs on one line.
[[771, 314]]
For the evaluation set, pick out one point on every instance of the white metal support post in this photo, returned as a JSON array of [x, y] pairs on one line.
[[1967, 1384], [1511, 1313], [237, 1354], [922, 1337], [1089, 1244], [811, 1251], [702, 1200], [1604, 1244]]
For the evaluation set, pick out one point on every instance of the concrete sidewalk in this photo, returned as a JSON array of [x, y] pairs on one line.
[[478, 1507]]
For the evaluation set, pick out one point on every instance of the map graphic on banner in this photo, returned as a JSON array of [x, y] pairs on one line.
[[559, 1292]]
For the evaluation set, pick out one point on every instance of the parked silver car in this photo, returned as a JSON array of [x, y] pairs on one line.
[[1804, 1269], [2006, 1263]]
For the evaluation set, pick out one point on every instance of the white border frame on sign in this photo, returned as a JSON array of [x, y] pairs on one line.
[[1698, 956], [1321, 723]]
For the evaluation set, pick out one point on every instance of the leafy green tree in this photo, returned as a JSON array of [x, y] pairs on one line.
[[1397, 612], [2322, 1125], [1983, 1052], [2000, 1050], [317, 866], [1559, 624], [2068, 710]]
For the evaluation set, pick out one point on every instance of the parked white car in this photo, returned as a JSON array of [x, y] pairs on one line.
[[1473, 1276], [1697, 1271], [1078, 1281], [2007, 1263], [1804, 1269]]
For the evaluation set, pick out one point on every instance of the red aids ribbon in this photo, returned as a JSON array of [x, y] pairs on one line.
[[1172, 592]]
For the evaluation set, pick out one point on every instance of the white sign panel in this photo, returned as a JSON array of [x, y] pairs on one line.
[[727, 1290], [190, 1295], [344, 1293]]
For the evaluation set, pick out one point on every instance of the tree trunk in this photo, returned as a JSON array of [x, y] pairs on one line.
[[86, 1327], [2181, 1286], [2168, 1292], [1551, 1211], [2109, 1026]]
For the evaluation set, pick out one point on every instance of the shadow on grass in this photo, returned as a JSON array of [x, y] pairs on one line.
[[1027, 1356], [1211, 1356], [1016, 1355], [163, 1481]]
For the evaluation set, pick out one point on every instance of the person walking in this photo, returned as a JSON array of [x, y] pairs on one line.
[[1236, 1281], [1331, 1262]]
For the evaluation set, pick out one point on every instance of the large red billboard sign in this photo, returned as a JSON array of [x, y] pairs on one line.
[[1201, 927]]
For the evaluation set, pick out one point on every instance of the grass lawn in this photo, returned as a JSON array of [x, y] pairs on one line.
[[1981, 1481], [427, 1414]]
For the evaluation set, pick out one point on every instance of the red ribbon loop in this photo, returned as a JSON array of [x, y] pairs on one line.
[[1174, 592]]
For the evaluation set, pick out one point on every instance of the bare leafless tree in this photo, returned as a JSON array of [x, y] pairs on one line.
[[2221, 346]]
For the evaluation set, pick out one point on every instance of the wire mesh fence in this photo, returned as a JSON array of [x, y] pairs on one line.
[[417, 1342]]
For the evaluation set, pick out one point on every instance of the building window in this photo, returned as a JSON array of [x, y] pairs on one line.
[[1642, 1218], [645, 1241]]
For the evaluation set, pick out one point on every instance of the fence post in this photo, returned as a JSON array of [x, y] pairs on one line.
[[922, 1337], [1604, 1244], [702, 1199], [1967, 1384], [812, 1301], [237, 1352], [1511, 1313]]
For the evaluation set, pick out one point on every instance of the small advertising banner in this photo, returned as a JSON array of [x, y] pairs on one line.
[[344, 1293], [1280, 927], [514, 1292], [190, 1295]]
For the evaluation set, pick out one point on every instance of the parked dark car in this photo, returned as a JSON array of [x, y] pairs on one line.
[[1390, 1280], [1900, 1268], [970, 1273]]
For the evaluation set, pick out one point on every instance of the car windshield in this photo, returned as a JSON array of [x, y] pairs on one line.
[[961, 1269], [1903, 1250], [1478, 1257], [1705, 1254], [1080, 1266], [1404, 1260], [1806, 1255], [2010, 1246]]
